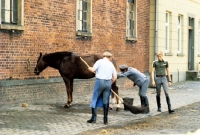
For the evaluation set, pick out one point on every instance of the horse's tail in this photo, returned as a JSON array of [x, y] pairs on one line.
[[114, 63]]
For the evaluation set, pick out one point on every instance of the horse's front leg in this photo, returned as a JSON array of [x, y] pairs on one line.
[[68, 89]]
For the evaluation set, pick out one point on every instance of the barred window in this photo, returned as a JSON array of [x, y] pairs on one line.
[[131, 33], [9, 11], [84, 17]]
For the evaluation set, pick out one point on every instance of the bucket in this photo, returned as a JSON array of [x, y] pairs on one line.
[[129, 101]]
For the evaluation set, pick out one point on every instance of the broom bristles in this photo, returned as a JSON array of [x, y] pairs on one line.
[[136, 109]]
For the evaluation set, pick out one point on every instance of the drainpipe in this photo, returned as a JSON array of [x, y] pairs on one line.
[[156, 29], [178, 75], [156, 32]]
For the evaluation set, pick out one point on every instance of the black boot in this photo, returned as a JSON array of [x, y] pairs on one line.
[[105, 110], [158, 103], [146, 103], [142, 101], [169, 105], [94, 115]]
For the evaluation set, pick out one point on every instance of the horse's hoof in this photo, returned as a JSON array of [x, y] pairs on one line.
[[118, 109], [66, 106]]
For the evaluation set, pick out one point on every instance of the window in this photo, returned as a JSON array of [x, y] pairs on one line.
[[131, 25], [84, 17], [179, 34], [9, 11], [12, 14], [167, 32], [199, 38]]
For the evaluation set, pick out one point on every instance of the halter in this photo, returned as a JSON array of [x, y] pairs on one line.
[[36, 69]]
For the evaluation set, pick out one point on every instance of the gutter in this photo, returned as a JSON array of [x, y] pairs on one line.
[[155, 34], [156, 30]]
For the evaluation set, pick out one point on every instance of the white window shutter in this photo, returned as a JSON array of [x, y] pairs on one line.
[[7, 11], [127, 20], [80, 25], [199, 38], [128, 28], [80, 20], [80, 4], [133, 28], [80, 16]]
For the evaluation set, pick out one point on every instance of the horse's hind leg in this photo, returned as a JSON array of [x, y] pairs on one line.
[[71, 91], [111, 101], [118, 105], [115, 89]]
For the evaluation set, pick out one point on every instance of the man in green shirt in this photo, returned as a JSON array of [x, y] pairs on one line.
[[160, 67]]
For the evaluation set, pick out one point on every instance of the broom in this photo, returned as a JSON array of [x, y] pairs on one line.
[[133, 109]]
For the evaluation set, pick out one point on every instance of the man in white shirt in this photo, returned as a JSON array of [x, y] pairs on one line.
[[105, 75]]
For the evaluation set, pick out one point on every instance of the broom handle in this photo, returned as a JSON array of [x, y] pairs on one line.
[[117, 96], [85, 62], [111, 89]]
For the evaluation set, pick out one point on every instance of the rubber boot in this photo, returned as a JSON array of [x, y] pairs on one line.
[[94, 115], [142, 101], [169, 105], [158, 103], [146, 103], [105, 110]]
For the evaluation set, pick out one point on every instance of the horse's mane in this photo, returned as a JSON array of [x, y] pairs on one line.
[[57, 55]]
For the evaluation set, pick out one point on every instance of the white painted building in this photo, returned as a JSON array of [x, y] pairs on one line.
[[175, 30]]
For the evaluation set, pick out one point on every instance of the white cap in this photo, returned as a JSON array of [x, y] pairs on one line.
[[107, 54]]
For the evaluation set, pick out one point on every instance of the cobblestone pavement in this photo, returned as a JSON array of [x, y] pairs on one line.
[[51, 118]]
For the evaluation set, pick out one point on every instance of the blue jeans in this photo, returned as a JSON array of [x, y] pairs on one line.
[[101, 93]]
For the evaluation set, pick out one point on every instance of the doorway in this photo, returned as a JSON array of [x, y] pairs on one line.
[[191, 44]]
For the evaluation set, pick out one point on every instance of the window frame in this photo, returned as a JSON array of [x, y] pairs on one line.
[[88, 31], [134, 18], [167, 31], [199, 37], [20, 20], [180, 34]]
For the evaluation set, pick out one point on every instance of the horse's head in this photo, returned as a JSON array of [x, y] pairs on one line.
[[40, 66]]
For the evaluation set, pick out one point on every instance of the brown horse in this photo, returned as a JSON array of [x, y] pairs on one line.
[[70, 67]]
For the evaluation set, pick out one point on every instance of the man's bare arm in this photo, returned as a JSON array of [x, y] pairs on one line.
[[152, 76]]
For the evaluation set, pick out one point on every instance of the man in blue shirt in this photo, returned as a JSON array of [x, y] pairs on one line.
[[105, 74], [139, 79]]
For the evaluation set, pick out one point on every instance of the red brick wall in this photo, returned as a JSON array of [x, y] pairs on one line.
[[50, 27], [50, 92]]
